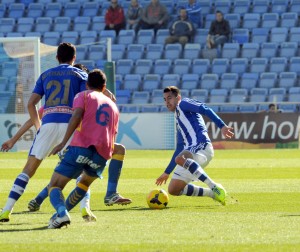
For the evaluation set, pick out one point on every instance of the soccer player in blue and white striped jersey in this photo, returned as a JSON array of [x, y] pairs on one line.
[[194, 149]]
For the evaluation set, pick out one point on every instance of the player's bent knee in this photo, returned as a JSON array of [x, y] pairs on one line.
[[174, 191]]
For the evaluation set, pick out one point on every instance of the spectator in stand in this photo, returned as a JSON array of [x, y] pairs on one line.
[[194, 12], [181, 30], [155, 16], [134, 14], [219, 31], [114, 17]]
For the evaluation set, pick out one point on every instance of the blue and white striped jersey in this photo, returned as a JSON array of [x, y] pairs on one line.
[[191, 129]]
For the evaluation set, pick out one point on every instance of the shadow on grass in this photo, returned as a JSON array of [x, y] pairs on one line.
[[28, 212], [22, 230], [290, 215]]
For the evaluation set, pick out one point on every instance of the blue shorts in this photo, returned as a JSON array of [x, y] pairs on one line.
[[78, 159]]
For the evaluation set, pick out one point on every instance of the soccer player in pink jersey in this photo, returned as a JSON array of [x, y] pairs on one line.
[[94, 123]]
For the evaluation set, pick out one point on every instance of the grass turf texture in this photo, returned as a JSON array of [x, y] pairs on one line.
[[266, 217]]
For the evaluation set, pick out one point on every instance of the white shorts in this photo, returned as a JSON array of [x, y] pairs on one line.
[[48, 136], [202, 157]]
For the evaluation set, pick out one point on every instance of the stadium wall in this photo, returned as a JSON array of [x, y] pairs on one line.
[[157, 130]]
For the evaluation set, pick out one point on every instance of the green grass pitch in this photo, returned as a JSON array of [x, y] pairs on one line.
[[266, 184]]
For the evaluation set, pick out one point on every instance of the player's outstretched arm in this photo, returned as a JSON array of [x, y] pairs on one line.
[[162, 179], [227, 132], [73, 124]]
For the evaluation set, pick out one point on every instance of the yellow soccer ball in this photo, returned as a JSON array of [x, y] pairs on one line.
[[158, 199]]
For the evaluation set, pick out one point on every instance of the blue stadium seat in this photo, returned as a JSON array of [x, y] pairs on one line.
[[268, 50], [140, 97], [295, 65], [51, 38], [209, 81], [154, 51], [190, 81], [43, 24], [230, 50], [97, 52], [88, 37], [219, 66], [33, 34], [35, 10], [145, 37], [151, 82], [3, 83], [250, 50], [98, 23], [124, 66], [71, 37], [25, 25], [90, 64], [143, 66], [258, 95], [161, 36], [173, 51], [16, 10], [241, 7], [132, 82], [149, 109], [72, 10], [117, 51], [267, 80], [162, 66], [295, 6], [157, 96], [81, 24], [279, 6], [200, 66], [270, 20], [81, 53], [288, 49], [258, 65], [289, 19], [260, 35], [294, 34], [208, 20], [61, 24], [192, 51], [260, 6], [245, 108], [130, 109], [288, 108], [200, 37], [287, 79], [275, 97], [185, 93], [239, 65], [279, 34], [234, 20], [123, 96], [14, 34], [90, 9], [4, 100], [2, 10], [294, 90], [199, 94], [104, 34], [229, 81], [278, 64], [126, 37], [229, 108], [238, 95], [9, 69], [240, 36], [181, 66], [53, 10], [170, 80], [251, 20], [7, 25], [218, 95], [135, 51], [249, 80]]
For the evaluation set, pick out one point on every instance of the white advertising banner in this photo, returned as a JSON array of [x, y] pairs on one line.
[[136, 131]]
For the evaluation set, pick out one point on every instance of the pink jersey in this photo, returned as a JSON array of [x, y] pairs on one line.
[[99, 124]]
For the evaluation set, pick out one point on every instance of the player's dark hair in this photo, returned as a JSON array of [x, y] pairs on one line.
[[175, 90], [82, 67], [65, 52], [272, 105], [219, 12], [96, 79]]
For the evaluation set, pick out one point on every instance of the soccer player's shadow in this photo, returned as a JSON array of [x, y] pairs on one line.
[[23, 229], [290, 215], [135, 208]]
